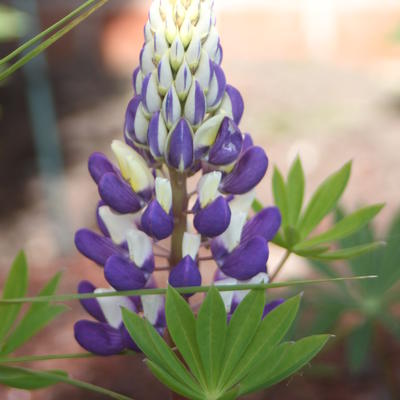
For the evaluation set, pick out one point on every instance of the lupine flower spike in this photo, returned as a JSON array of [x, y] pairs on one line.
[[183, 121]]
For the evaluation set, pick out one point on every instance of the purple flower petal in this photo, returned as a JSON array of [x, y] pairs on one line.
[[266, 224], [218, 84], [100, 223], [118, 194], [214, 219], [228, 144], [156, 222], [180, 146], [247, 142], [195, 106], [218, 251], [247, 260], [92, 306], [99, 165], [272, 305], [98, 338], [237, 103], [122, 274], [156, 135], [95, 247], [186, 273], [248, 172]]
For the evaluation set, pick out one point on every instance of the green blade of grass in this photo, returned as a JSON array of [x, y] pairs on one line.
[[183, 290], [48, 42]]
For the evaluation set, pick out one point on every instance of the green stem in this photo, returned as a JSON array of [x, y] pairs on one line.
[[183, 290], [51, 357], [179, 209], [46, 32], [47, 43], [280, 265]]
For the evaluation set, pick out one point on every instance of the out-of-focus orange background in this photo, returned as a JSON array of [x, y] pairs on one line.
[[320, 78]]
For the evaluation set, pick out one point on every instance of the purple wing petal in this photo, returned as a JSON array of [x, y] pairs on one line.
[[214, 219], [122, 274], [266, 224], [118, 194], [228, 144], [92, 306], [186, 273], [247, 260], [97, 248], [99, 165], [236, 102], [98, 338], [248, 172], [156, 222]]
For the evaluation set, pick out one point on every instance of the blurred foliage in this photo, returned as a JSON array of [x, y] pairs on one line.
[[370, 303], [299, 221], [14, 24]]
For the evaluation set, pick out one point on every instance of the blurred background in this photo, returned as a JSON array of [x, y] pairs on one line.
[[320, 78]]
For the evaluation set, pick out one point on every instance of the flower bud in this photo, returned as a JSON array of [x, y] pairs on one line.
[[204, 72], [179, 148], [150, 96], [165, 77], [183, 81], [157, 135], [195, 107], [136, 123], [217, 88], [146, 58], [177, 53], [171, 107], [137, 81], [232, 104]]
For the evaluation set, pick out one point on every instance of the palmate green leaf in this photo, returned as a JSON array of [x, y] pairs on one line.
[[156, 350], [344, 254], [358, 346], [270, 332], [296, 356], [295, 191], [241, 331], [178, 387], [324, 200], [182, 328], [211, 328], [280, 195], [15, 286], [37, 317], [22, 378], [343, 228]]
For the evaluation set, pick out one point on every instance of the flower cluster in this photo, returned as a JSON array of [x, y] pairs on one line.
[[183, 121]]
